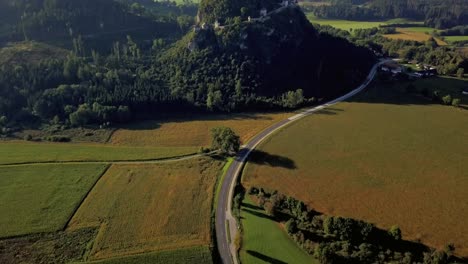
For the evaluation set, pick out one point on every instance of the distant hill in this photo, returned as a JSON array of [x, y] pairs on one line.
[[98, 22]]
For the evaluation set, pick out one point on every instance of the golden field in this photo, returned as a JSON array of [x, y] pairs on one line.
[[177, 132], [386, 160], [150, 207]]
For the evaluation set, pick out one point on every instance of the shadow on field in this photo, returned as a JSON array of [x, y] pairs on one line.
[[329, 111], [413, 92], [258, 214], [251, 206], [264, 257], [264, 158], [152, 122]]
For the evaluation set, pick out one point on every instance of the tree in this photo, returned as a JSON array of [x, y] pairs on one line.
[[291, 226], [460, 72], [456, 102], [225, 140], [395, 232], [447, 100]]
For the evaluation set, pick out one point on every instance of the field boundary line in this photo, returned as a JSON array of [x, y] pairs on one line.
[[136, 161], [86, 196]]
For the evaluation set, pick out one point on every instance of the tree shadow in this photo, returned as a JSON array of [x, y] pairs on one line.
[[258, 214], [265, 257], [254, 207], [272, 160]]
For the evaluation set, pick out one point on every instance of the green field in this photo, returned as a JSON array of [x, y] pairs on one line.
[[42, 198], [386, 157], [201, 255], [445, 85], [348, 24], [17, 152], [264, 241], [451, 39]]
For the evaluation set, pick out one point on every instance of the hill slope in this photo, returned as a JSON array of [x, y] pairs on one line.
[[264, 57]]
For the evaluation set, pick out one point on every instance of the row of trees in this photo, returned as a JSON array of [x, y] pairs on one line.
[[334, 239], [448, 60], [435, 13]]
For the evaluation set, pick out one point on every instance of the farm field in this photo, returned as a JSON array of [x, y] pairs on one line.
[[42, 198], [420, 34], [201, 255], [348, 24], [451, 39], [192, 131], [445, 85], [150, 207], [264, 240], [17, 152], [373, 159]]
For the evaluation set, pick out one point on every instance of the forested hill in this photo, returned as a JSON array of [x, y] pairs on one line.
[[246, 60], [270, 62], [435, 13], [58, 22]]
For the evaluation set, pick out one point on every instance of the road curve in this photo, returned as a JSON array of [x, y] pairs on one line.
[[224, 218]]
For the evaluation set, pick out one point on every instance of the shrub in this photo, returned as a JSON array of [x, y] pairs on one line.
[[253, 191], [447, 100], [395, 232], [28, 137], [456, 102], [291, 226]]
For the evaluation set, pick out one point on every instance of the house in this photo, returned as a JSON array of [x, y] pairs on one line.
[[392, 67]]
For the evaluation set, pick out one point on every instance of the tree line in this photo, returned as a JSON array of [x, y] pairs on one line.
[[435, 13], [335, 239]]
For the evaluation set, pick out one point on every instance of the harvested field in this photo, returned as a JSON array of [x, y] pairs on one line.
[[192, 131], [416, 34], [199, 255], [143, 208], [42, 198], [387, 158], [14, 152]]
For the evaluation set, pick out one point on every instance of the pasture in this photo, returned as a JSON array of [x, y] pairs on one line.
[[150, 207], [192, 131], [384, 157], [18, 152], [451, 39], [42, 198], [265, 241]]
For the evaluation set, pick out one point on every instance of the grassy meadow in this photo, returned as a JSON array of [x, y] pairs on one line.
[[150, 207], [17, 152], [192, 131], [265, 241], [372, 158], [42, 198], [451, 39]]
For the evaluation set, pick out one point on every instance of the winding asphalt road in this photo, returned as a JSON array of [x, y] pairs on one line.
[[224, 217]]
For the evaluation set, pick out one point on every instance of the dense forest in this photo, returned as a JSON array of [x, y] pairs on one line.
[[279, 61], [435, 13], [99, 22]]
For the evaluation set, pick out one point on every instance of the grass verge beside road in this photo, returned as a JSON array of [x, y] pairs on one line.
[[265, 241]]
